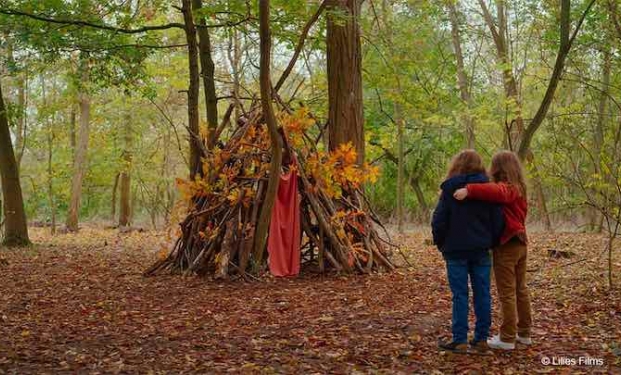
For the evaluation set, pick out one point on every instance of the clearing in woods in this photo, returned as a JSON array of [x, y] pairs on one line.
[[79, 303]]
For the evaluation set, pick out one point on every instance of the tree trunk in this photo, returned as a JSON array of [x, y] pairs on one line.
[[400, 168], [462, 77], [115, 187], [420, 196], [276, 141], [50, 150], [515, 124], [72, 137], [598, 136], [235, 57], [344, 60], [125, 176], [193, 128], [539, 194], [208, 70], [565, 44], [16, 229], [79, 162], [20, 136]]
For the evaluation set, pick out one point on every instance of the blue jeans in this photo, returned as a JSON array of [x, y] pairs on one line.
[[458, 271]]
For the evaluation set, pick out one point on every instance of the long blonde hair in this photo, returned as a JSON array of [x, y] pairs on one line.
[[506, 167]]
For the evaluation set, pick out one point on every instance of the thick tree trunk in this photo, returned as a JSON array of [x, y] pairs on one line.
[[344, 58], [79, 162], [208, 70], [276, 140], [462, 77], [20, 136], [16, 229], [125, 176], [193, 90]]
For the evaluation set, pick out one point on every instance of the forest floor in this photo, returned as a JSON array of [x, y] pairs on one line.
[[79, 304]]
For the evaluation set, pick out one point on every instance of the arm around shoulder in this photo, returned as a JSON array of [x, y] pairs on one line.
[[493, 192]]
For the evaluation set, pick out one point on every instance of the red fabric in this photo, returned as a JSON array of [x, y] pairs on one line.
[[514, 206], [284, 238]]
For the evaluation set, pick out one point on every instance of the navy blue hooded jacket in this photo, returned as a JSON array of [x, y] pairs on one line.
[[465, 229]]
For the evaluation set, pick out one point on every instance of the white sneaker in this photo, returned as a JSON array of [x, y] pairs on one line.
[[523, 340], [496, 343]]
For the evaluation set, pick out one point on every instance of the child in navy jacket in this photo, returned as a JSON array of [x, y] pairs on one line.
[[465, 231]]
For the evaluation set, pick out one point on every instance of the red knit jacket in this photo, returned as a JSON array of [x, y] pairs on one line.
[[514, 206]]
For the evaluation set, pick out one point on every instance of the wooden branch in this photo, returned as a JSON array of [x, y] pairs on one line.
[[43, 18], [300, 45], [559, 67]]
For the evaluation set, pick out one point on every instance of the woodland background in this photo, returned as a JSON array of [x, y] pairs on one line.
[[435, 80], [104, 102]]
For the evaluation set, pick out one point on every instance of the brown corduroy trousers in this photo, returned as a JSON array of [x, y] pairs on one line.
[[510, 275]]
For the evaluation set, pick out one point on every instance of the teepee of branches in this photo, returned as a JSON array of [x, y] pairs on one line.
[[339, 230]]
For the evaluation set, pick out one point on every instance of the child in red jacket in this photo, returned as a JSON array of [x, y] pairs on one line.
[[509, 189]]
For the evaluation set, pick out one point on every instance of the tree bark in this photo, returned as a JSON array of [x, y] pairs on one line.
[[72, 137], [344, 60], [79, 162], [276, 141], [50, 150], [16, 229], [115, 187], [125, 176], [598, 134], [208, 71], [193, 94], [462, 77], [400, 168]]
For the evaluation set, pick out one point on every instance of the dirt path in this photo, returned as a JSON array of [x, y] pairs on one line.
[[80, 305]]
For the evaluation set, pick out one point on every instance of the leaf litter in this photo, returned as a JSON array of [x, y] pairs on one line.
[[78, 303]]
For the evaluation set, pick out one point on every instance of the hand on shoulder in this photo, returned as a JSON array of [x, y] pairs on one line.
[[460, 194]]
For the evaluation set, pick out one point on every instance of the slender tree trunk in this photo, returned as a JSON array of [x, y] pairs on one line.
[[235, 57], [81, 152], [208, 71], [115, 187], [344, 58], [193, 90], [50, 181], [276, 141], [420, 196], [72, 132], [400, 168], [16, 229], [598, 136], [50, 150], [125, 175], [462, 77], [539, 194]]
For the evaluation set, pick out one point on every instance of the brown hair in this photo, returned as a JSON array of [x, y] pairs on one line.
[[466, 162], [506, 167]]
